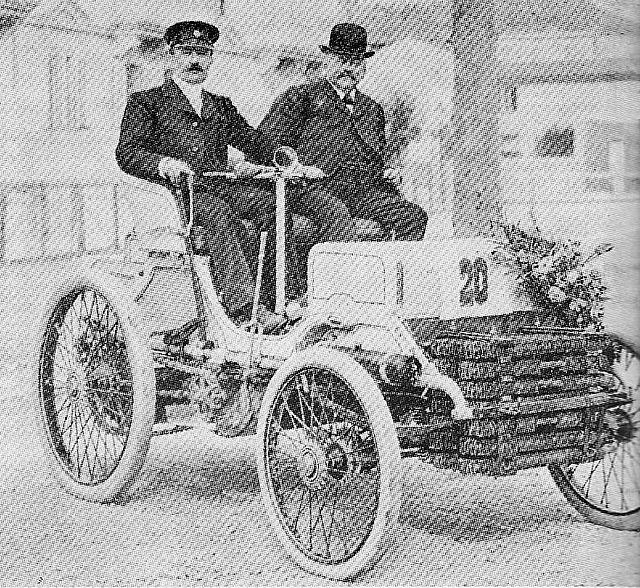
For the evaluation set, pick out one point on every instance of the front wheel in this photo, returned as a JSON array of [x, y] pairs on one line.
[[93, 389], [329, 463], [607, 491]]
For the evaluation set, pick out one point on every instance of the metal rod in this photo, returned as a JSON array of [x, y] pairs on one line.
[[188, 222], [280, 245], [256, 293]]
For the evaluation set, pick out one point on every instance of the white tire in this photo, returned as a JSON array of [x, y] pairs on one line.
[[93, 388], [329, 463], [607, 491]]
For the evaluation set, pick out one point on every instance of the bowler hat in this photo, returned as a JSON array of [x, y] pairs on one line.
[[191, 33], [348, 39]]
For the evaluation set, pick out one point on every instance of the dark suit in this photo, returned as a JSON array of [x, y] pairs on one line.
[[161, 122], [349, 148]]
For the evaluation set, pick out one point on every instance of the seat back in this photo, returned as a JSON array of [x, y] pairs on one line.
[[150, 214]]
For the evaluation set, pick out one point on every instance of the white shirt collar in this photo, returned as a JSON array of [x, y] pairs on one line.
[[342, 93], [193, 92]]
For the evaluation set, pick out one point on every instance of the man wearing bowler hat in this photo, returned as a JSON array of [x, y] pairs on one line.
[[179, 128], [340, 130]]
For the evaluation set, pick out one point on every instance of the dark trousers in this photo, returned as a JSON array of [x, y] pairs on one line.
[[373, 199], [255, 202], [230, 250]]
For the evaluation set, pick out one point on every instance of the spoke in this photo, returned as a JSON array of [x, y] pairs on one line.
[[634, 479], [353, 476], [587, 484], [67, 355], [285, 455], [294, 417], [96, 453], [88, 443], [605, 481], [62, 430], [341, 533], [333, 511], [110, 392], [285, 434], [305, 388], [623, 500], [80, 435], [310, 520], [72, 422], [76, 439], [363, 448], [323, 405], [288, 492], [300, 507]]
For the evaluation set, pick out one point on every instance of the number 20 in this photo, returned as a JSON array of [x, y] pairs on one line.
[[476, 287]]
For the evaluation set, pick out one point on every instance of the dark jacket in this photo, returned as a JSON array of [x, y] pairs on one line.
[[313, 120], [161, 122]]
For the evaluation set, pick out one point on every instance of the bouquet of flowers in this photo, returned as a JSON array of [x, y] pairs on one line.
[[555, 275]]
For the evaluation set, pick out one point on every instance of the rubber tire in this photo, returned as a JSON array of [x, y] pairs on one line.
[[620, 522], [144, 391], [382, 426]]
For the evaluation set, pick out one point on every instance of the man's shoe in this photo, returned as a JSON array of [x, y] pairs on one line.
[[270, 321], [295, 308]]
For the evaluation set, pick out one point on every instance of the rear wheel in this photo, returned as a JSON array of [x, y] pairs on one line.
[[94, 390], [607, 491], [329, 463]]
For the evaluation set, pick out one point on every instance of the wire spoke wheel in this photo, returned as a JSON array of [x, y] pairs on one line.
[[327, 463], [607, 491], [90, 401]]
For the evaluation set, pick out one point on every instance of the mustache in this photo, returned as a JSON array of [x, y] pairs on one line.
[[194, 68]]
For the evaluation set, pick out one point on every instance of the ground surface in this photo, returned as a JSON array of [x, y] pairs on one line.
[[195, 514]]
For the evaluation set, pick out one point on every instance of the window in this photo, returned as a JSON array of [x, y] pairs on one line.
[[556, 142]]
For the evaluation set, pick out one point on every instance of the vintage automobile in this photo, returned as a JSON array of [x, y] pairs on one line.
[[417, 349]]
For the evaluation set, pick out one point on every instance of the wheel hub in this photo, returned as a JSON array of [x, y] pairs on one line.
[[338, 461], [312, 467], [620, 425], [77, 387]]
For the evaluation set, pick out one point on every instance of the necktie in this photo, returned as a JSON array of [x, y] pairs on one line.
[[348, 100]]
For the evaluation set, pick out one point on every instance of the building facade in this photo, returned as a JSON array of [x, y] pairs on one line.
[[69, 66]]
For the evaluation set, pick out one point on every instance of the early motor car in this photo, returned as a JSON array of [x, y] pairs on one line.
[[404, 350]]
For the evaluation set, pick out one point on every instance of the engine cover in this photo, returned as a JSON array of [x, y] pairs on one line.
[[440, 279]]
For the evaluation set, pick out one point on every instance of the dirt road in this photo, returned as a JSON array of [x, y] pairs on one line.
[[195, 517]]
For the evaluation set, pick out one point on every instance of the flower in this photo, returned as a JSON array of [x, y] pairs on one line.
[[573, 276], [555, 294], [544, 265], [553, 275]]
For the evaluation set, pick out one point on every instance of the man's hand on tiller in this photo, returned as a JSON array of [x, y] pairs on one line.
[[171, 169]]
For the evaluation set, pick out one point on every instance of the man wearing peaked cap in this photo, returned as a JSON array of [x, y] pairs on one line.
[[192, 33], [340, 130], [179, 128]]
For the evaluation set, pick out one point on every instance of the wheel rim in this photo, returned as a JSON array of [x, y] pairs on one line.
[[86, 387], [612, 483], [322, 466]]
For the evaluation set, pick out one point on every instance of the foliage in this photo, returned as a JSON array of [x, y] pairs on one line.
[[555, 275]]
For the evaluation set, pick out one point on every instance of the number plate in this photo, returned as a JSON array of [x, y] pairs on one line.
[[473, 284]]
